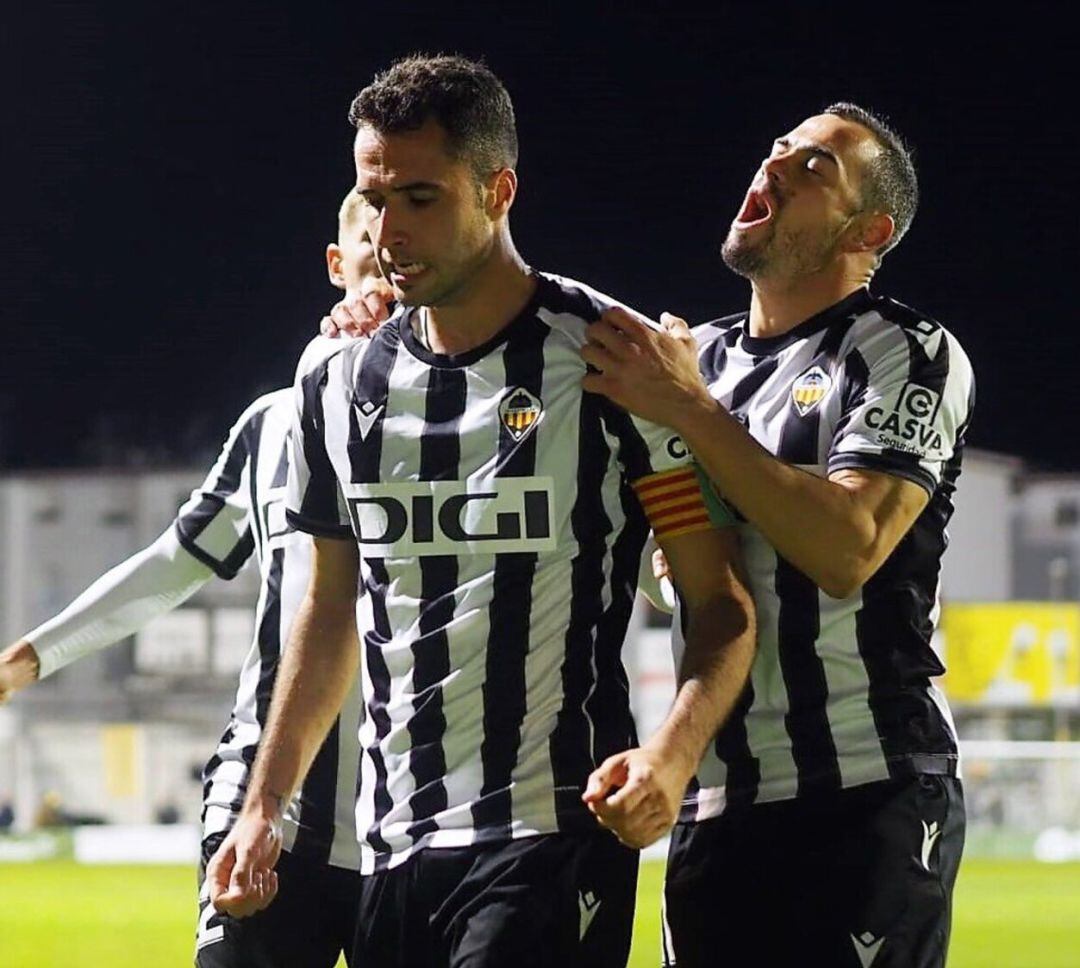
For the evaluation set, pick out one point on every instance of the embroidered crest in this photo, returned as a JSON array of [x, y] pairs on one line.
[[519, 411], [810, 389]]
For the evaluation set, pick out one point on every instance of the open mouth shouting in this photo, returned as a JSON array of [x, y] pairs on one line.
[[757, 209]]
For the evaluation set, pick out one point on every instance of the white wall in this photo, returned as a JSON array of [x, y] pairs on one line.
[[978, 565]]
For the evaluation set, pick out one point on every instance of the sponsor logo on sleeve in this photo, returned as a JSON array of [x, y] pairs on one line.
[[910, 424], [676, 448], [810, 389]]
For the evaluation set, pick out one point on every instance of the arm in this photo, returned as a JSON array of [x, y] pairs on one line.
[[837, 531], [120, 602], [720, 640], [316, 672]]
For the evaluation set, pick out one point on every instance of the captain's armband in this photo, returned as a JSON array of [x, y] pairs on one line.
[[673, 502]]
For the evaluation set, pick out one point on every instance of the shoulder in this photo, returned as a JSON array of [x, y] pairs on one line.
[[319, 352], [889, 326], [567, 306]]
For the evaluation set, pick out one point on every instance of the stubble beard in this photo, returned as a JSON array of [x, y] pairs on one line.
[[788, 255]]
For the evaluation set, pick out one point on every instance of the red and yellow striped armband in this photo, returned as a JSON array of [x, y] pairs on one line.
[[673, 502]]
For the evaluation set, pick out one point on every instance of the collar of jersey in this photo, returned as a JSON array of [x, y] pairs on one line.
[[457, 360], [850, 306]]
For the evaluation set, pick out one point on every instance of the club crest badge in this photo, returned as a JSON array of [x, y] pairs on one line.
[[810, 389], [520, 411]]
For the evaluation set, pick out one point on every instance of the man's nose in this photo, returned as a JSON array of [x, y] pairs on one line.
[[387, 230], [774, 168]]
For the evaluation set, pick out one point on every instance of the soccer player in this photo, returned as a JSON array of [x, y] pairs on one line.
[[239, 511], [826, 822], [495, 514]]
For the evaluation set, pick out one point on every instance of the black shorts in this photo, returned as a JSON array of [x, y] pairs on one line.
[[862, 877], [558, 901], [308, 925]]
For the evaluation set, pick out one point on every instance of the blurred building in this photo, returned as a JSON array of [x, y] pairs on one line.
[[122, 733]]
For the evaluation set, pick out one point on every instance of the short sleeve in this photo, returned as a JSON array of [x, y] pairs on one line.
[[214, 524], [313, 498], [907, 399], [658, 465]]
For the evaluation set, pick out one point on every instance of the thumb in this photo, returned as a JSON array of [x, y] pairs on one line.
[[609, 774], [240, 881], [219, 872], [674, 324]]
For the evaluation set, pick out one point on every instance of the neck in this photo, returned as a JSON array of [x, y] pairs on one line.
[[779, 305], [495, 294]]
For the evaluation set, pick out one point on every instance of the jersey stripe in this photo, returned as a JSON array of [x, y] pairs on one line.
[[510, 614], [440, 453]]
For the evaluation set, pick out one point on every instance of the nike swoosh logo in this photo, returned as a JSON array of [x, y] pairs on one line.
[[367, 420]]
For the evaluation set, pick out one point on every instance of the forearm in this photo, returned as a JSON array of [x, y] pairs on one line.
[[817, 525], [720, 642], [315, 675], [120, 602]]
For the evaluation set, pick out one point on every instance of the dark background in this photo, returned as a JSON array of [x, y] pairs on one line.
[[171, 174]]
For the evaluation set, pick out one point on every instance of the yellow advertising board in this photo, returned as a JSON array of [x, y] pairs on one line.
[[122, 754], [1012, 653]]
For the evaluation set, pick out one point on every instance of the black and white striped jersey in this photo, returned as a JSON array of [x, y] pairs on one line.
[[239, 510], [498, 511], [840, 691]]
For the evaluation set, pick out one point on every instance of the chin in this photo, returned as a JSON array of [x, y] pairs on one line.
[[742, 258]]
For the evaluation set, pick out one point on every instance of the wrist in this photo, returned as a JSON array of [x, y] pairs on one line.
[[670, 749], [695, 416], [269, 807]]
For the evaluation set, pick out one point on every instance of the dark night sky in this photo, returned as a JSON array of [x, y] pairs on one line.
[[171, 178]]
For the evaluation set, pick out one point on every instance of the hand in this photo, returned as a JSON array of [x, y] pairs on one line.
[[361, 312], [19, 667], [636, 794], [651, 373], [241, 873]]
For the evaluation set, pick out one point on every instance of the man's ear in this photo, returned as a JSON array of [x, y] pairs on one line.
[[334, 261], [501, 192], [871, 232]]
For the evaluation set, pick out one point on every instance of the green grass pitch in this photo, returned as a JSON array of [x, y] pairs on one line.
[[59, 915]]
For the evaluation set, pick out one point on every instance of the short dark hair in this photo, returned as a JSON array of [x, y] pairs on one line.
[[466, 99], [889, 183]]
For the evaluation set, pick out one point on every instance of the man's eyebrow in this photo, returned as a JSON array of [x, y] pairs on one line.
[[415, 186], [812, 146], [822, 152]]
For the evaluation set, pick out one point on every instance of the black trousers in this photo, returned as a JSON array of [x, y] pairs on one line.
[[553, 901], [861, 877]]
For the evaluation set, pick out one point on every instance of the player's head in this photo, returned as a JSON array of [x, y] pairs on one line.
[[350, 259], [837, 192], [435, 151]]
